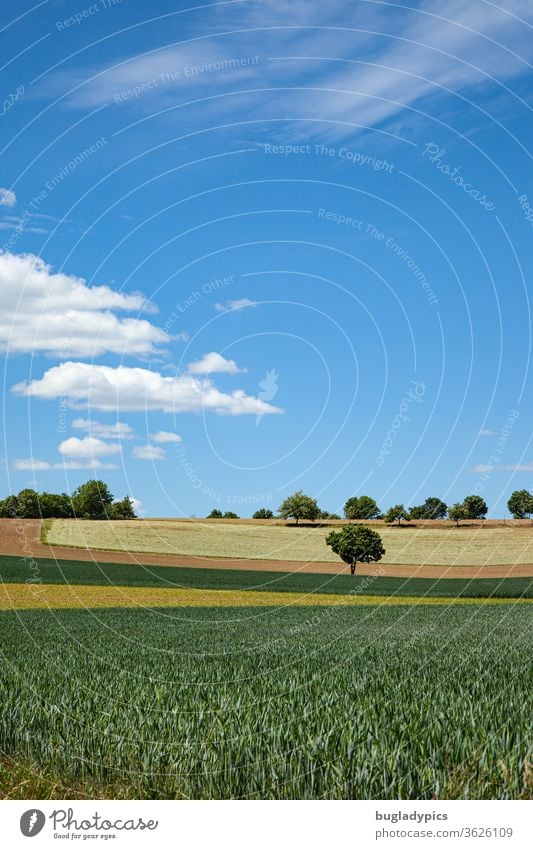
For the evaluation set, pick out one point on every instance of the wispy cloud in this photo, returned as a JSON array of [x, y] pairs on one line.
[[237, 304], [148, 452], [344, 64], [118, 430], [35, 465], [7, 197]]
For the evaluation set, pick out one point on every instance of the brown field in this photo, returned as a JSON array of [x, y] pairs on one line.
[[23, 538]]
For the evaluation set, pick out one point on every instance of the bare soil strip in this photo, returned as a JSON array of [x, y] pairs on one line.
[[22, 538]]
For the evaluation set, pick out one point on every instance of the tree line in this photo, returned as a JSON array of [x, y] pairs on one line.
[[300, 506], [91, 500]]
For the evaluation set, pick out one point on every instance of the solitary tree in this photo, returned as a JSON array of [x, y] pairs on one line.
[[475, 506], [520, 504], [356, 543], [363, 507], [215, 514], [92, 500], [263, 513], [396, 514], [457, 512], [299, 506]]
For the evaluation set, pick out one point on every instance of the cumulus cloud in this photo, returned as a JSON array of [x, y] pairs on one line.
[[238, 304], [148, 452], [88, 447], [212, 363], [118, 430], [136, 389], [61, 315], [165, 436], [7, 197]]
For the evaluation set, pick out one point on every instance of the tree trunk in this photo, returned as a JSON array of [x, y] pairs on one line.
[[352, 567]]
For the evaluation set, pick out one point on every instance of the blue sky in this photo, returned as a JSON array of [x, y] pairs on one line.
[[251, 247]]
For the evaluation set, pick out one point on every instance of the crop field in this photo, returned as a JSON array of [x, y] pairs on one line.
[[423, 546], [17, 570], [316, 702]]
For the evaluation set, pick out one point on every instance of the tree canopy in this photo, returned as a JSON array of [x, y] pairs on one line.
[[356, 543], [520, 504], [299, 506], [396, 514], [362, 507]]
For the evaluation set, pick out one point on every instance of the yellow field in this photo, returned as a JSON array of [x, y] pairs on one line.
[[29, 596], [419, 546]]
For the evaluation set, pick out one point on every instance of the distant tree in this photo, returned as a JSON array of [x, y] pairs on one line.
[[356, 543], [435, 508], [92, 500], [263, 513], [28, 504], [215, 514], [363, 507], [230, 515], [53, 506], [475, 506], [123, 509], [432, 508], [332, 516], [520, 504], [457, 512], [396, 514], [9, 507], [299, 506]]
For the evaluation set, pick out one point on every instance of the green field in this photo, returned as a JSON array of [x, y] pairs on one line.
[[366, 702], [16, 570], [408, 545]]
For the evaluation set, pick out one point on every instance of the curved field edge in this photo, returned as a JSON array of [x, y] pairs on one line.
[[405, 546], [383, 703], [48, 571], [33, 596]]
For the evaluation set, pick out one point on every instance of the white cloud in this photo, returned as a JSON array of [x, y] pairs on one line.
[[88, 447], [135, 389], [137, 505], [369, 64], [7, 197], [32, 464], [509, 467], [486, 432], [148, 452], [238, 304], [60, 314], [214, 363], [118, 430], [165, 436]]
